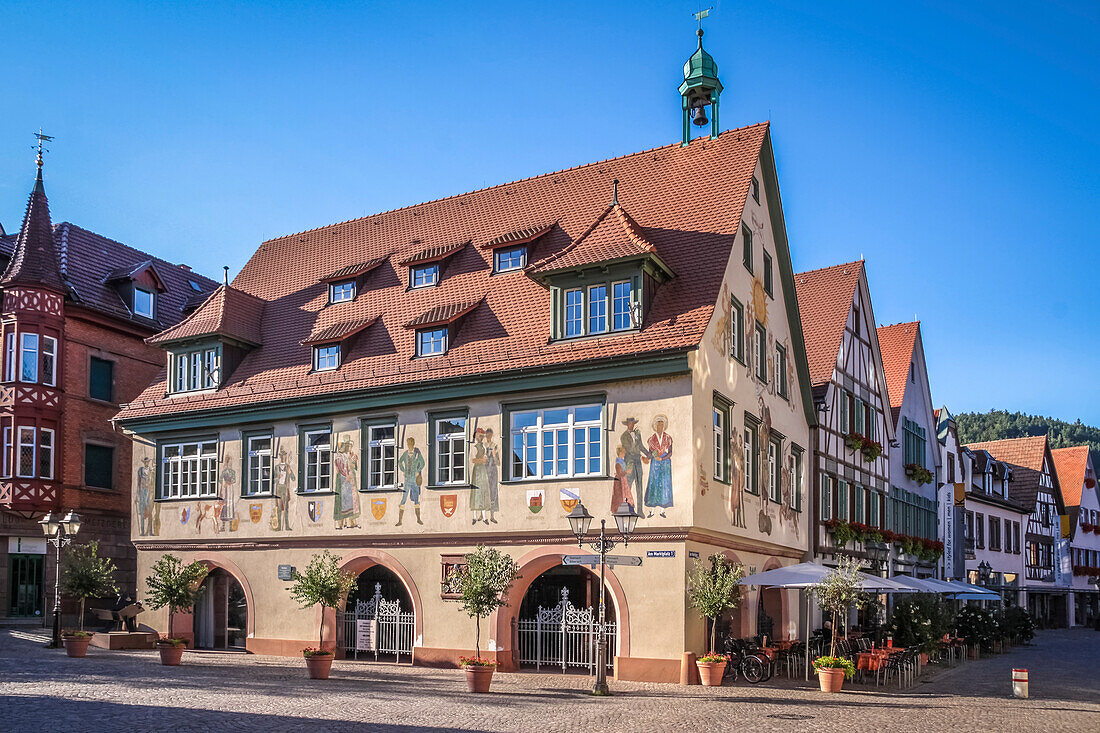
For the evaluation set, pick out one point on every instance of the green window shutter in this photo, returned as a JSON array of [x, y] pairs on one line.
[[101, 380], [99, 466]]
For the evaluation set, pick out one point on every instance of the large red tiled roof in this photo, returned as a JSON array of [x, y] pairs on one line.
[[442, 315], [1026, 455], [1071, 464], [227, 312], [339, 331], [613, 236], [896, 343], [434, 253], [349, 271], [686, 202], [520, 236], [824, 301]]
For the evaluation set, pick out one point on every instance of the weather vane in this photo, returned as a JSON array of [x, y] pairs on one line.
[[42, 139], [702, 14]]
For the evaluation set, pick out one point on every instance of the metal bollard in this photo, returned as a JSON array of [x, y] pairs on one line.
[[1019, 683]]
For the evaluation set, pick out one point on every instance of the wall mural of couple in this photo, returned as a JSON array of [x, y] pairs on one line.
[[631, 455], [787, 514]]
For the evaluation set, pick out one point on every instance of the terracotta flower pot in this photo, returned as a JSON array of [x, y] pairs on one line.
[[923, 658], [319, 666], [170, 654], [77, 646], [710, 673], [478, 677], [830, 680]]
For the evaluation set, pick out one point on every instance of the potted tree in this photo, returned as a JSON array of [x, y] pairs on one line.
[[86, 576], [323, 584], [835, 594], [176, 586], [482, 582], [713, 590]]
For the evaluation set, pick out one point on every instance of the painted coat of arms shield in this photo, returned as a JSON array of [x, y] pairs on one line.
[[569, 499], [536, 499], [255, 512], [378, 507], [448, 503], [314, 508]]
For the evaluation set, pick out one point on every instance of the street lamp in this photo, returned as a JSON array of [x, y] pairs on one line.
[[985, 570], [59, 532], [626, 518]]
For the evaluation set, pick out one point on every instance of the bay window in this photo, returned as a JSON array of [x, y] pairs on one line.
[[601, 308], [597, 309], [189, 470], [557, 442], [25, 457], [29, 351]]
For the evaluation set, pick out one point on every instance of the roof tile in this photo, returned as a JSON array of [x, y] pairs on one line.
[[824, 302]]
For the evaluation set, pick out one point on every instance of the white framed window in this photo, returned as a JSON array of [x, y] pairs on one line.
[[761, 343], [557, 442], [318, 460], [381, 456], [431, 341], [29, 357], [574, 312], [45, 453], [796, 478], [751, 463], [450, 451], [49, 361], [189, 469], [737, 330], [781, 370], [326, 357], [622, 305], [424, 276], [7, 452], [195, 370], [774, 476], [341, 291], [509, 259], [597, 309], [258, 465], [144, 302], [719, 444], [26, 455], [9, 357]]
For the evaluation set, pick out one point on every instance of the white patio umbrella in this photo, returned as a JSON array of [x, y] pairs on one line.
[[808, 574], [919, 585]]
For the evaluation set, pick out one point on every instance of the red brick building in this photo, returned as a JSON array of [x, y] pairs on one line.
[[76, 310]]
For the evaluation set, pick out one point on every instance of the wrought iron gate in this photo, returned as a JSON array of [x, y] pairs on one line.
[[388, 630], [564, 636]]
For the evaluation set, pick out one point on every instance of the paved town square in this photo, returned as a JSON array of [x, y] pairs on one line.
[[46, 691]]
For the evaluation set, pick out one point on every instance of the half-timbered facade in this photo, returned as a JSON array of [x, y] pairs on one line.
[[1076, 469], [851, 453], [401, 388], [75, 310], [1035, 487], [915, 461]]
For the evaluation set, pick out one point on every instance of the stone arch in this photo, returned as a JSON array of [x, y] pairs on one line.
[[740, 618], [533, 564], [212, 560], [356, 562], [775, 601]]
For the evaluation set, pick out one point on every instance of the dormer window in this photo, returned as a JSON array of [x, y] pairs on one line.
[[326, 357], [196, 369], [599, 309], [424, 276], [340, 292], [144, 302], [510, 259], [432, 341]]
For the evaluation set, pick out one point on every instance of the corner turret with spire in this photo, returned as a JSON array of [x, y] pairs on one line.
[[700, 88], [34, 261]]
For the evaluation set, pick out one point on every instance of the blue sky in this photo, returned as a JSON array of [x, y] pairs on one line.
[[953, 145]]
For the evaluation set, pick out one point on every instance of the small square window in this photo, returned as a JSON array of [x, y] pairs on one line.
[[424, 276], [755, 190], [431, 342], [341, 291], [101, 380], [767, 273], [326, 358], [510, 259], [143, 302]]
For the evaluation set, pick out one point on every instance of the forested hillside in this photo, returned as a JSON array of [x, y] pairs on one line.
[[975, 427]]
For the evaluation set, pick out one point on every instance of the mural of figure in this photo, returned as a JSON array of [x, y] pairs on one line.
[[480, 501], [658, 492], [200, 514], [737, 480], [146, 482], [750, 339], [620, 488], [722, 325], [764, 519], [633, 451], [771, 363], [492, 469], [223, 508], [790, 371], [786, 509], [411, 466], [346, 502], [282, 485]]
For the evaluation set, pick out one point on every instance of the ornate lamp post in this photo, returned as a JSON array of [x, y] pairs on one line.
[[59, 532], [985, 570], [579, 521]]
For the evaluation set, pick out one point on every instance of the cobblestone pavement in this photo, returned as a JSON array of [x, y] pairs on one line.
[[44, 690]]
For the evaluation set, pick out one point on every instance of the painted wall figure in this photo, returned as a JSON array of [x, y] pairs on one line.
[[633, 451], [224, 509], [482, 506], [492, 469], [148, 510], [787, 514], [620, 487], [737, 479], [283, 487], [411, 466], [658, 492], [764, 519], [345, 508], [771, 363], [722, 326]]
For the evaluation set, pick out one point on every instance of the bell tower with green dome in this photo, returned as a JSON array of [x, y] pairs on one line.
[[700, 88]]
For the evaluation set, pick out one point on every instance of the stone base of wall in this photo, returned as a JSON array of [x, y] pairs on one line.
[[641, 669]]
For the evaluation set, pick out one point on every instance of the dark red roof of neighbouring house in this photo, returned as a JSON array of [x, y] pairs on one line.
[[34, 259], [824, 300], [1027, 456], [1071, 465], [684, 202]]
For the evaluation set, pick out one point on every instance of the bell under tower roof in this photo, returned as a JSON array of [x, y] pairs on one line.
[[34, 261]]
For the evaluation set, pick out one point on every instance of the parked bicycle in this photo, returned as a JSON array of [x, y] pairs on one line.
[[746, 660]]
